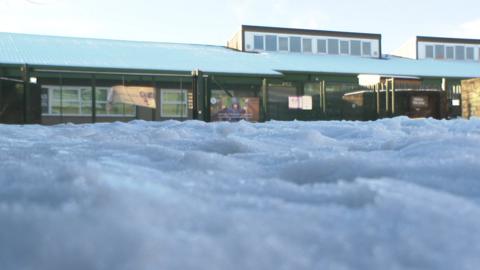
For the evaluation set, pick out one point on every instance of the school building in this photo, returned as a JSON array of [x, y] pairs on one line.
[[263, 73]]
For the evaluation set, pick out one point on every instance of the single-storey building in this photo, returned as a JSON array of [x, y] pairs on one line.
[[263, 73]]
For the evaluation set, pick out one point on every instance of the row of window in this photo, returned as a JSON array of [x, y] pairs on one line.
[[77, 101], [273, 43], [450, 52]]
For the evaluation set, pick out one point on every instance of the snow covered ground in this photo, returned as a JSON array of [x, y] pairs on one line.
[[391, 194]]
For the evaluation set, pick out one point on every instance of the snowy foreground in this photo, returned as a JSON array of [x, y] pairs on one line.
[[391, 194]]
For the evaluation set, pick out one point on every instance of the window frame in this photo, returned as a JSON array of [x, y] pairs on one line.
[[184, 102], [347, 47], [352, 44], [288, 44], [472, 51], [331, 41], [439, 52], [447, 52], [326, 46], [457, 47], [78, 89], [363, 48], [273, 38], [291, 43], [255, 42], [307, 40]]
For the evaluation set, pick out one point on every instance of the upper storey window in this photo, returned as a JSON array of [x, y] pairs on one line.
[[459, 52], [333, 46], [450, 53], [439, 51], [310, 44], [258, 43], [283, 44], [470, 53], [321, 46], [429, 51], [367, 48], [295, 44], [307, 45], [356, 47], [271, 43]]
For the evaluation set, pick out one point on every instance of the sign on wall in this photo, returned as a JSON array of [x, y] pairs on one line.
[[135, 95], [231, 108], [300, 103]]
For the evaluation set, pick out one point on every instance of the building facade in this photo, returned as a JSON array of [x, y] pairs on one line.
[[263, 74]]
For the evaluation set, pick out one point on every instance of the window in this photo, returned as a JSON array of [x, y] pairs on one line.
[[439, 52], [77, 101], [366, 48], [333, 46], [344, 47], [429, 51], [450, 53], [470, 53], [459, 52], [258, 43], [174, 103], [271, 43], [321, 46], [307, 45], [295, 44], [283, 44], [355, 47]]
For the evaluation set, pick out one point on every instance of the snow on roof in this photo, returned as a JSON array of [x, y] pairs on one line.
[[101, 53], [118, 54]]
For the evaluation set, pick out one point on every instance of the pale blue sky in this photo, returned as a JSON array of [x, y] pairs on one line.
[[215, 21]]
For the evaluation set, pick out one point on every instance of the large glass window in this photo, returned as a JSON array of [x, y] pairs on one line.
[[333, 46], [271, 43], [367, 48], [295, 44], [439, 51], [283, 44], [460, 52], [470, 53], [322, 46], [307, 45], [450, 53], [174, 103], [429, 51], [77, 101], [355, 47], [344, 47], [258, 42]]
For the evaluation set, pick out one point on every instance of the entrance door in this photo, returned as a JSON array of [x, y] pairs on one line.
[[278, 102], [11, 102]]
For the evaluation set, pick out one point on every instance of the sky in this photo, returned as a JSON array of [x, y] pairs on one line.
[[216, 21]]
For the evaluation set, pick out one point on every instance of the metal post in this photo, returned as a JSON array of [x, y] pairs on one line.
[[324, 89], [377, 92], [387, 97], [154, 111], [60, 81], [393, 96], [94, 99], [26, 94], [265, 99], [195, 94], [208, 94]]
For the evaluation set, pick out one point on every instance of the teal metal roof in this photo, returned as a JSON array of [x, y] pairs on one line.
[[39, 50], [117, 54], [388, 65]]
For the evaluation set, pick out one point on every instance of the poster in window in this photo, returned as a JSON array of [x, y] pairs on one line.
[[134, 95], [234, 109]]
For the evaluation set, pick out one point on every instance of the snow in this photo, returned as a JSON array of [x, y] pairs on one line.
[[390, 194]]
